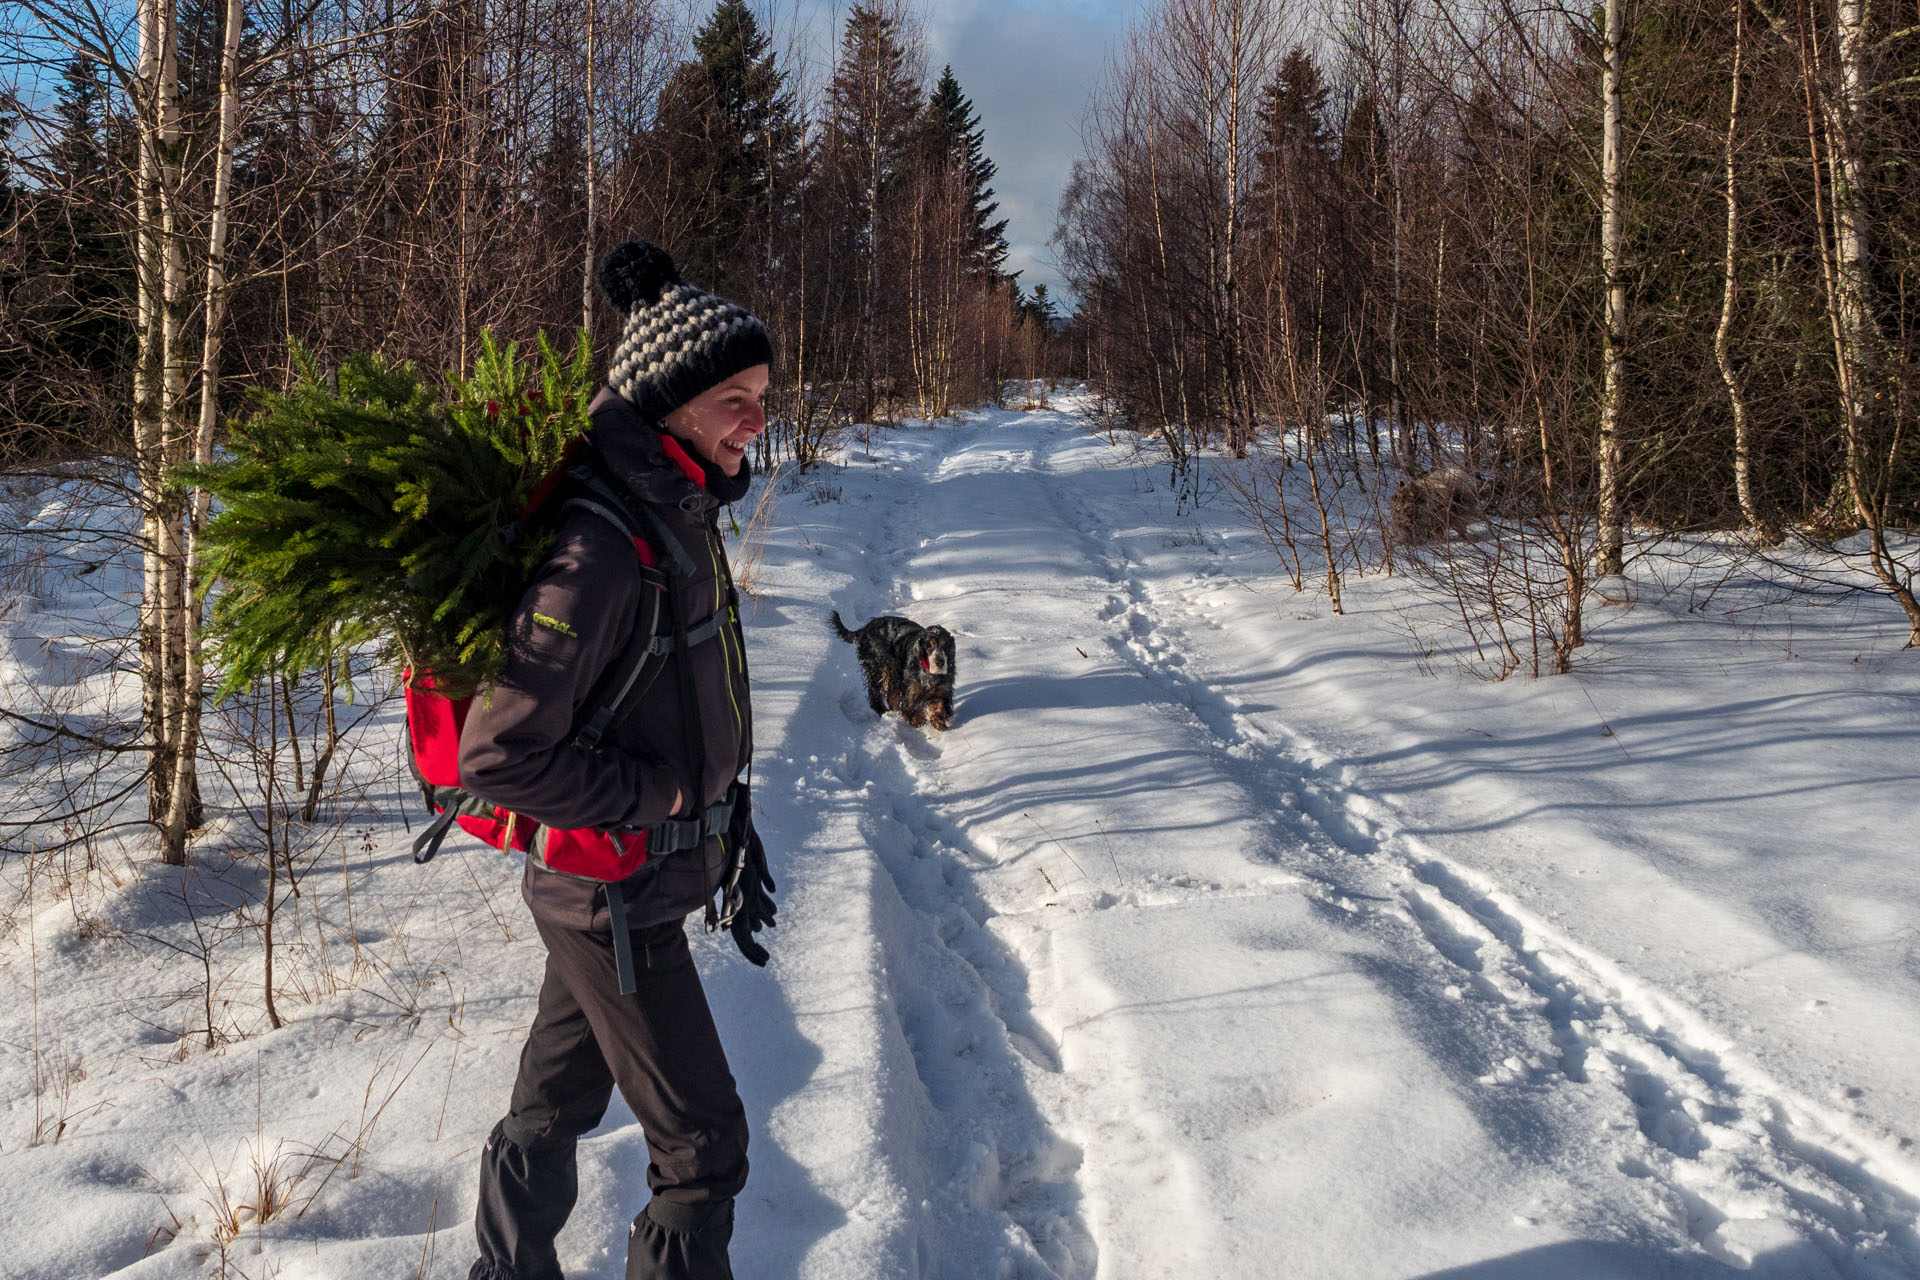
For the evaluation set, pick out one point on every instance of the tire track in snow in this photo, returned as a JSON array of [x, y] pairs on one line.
[[1001, 1196], [1754, 1173]]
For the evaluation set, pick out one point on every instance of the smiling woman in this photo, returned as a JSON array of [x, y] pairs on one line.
[[722, 422], [655, 791]]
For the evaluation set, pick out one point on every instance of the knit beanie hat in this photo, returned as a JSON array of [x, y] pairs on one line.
[[678, 340]]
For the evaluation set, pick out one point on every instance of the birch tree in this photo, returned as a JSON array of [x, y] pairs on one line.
[[159, 428], [1613, 350], [1878, 436], [183, 792], [1759, 521], [1844, 53], [872, 102]]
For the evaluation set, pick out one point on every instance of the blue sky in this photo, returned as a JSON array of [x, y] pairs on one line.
[[1028, 68]]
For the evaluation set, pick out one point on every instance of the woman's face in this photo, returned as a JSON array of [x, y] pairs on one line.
[[721, 421]]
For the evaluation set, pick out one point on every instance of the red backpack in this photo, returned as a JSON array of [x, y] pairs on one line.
[[434, 721]]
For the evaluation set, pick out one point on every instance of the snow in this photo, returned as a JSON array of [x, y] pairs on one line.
[[1220, 935]]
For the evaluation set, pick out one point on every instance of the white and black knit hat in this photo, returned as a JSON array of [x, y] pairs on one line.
[[678, 340]]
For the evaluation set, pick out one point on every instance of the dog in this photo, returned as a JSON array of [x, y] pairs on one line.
[[909, 668]]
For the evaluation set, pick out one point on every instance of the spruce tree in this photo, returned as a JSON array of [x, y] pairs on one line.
[[872, 100], [1038, 309], [1293, 114], [362, 510], [725, 130], [75, 160], [872, 104], [1293, 187], [9, 121], [557, 181], [69, 335], [954, 137]]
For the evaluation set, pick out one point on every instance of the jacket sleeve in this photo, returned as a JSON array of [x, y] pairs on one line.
[[572, 624]]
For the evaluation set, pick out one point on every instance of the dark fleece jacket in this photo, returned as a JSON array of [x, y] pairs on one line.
[[573, 623]]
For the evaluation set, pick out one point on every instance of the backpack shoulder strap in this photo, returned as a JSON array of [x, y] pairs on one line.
[[599, 489], [649, 642], [611, 515], [638, 666], [647, 659]]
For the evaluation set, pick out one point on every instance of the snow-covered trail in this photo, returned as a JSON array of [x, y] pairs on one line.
[[1161, 993], [1213, 939]]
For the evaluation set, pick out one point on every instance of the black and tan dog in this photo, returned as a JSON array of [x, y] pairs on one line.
[[909, 668]]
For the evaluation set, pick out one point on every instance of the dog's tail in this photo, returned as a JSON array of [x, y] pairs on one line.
[[840, 628]]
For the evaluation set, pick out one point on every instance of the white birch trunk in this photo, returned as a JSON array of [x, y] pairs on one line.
[[160, 428], [185, 786], [1758, 524], [1614, 340], [1396, 131], [1239, 57], [146, 392], [1870, 466]]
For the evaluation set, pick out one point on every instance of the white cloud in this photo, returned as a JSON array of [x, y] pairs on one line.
[[1028, 68]]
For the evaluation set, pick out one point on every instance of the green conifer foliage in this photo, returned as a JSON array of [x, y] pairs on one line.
[[372, 512], [955, 137], [725, 129]]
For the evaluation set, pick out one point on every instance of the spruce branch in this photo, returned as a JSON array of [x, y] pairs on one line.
[[368, 508]]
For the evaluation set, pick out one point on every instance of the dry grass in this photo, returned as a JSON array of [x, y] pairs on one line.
[[753, 539], [268, 1184]]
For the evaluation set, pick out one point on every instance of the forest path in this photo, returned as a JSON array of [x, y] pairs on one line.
[[1123, 976], [1178, 994]]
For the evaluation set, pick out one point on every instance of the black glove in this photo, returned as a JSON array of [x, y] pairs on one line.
[[747, 904], [746, 899]]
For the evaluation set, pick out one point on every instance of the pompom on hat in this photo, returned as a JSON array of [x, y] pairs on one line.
[[678, 340]]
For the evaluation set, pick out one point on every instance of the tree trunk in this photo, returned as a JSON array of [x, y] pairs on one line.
[[1239, 406], [147, 431], [1762, 528], [593, 210], [1396, 163], [869, 322], [183, 794], [1175, 348], [160, 431], [1856, 328], [1614, 341]]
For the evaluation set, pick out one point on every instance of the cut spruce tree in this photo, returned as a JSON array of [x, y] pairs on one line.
[[368, 509]]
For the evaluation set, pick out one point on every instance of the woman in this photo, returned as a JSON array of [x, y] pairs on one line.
[[668, 443]]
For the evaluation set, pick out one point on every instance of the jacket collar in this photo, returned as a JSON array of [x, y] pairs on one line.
[[636, 450]]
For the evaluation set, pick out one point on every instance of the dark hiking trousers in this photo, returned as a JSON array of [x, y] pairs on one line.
[[660, 1047]]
